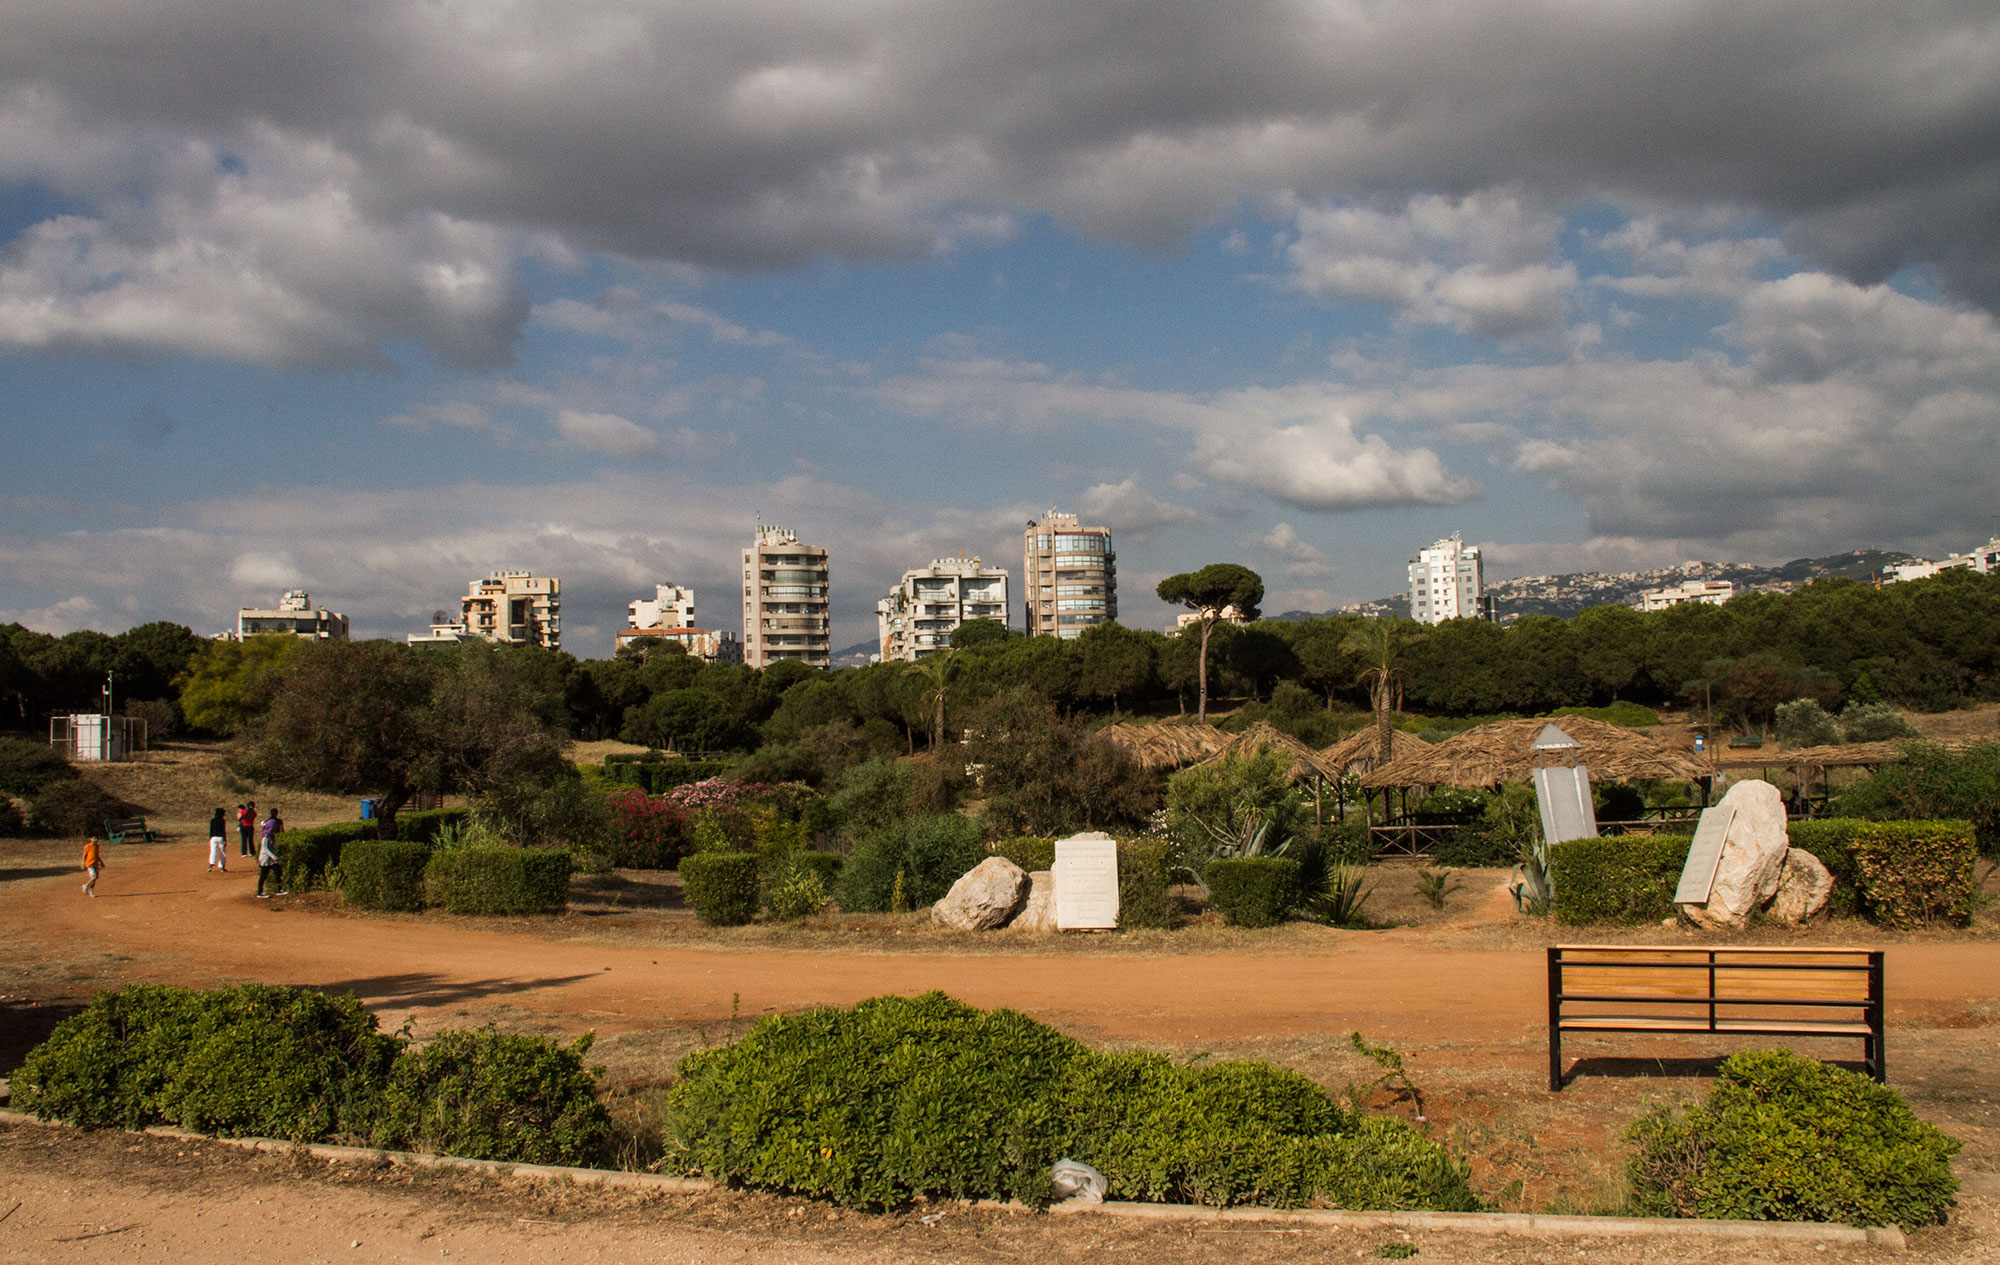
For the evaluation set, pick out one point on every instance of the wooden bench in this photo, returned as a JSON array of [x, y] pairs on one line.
[[1736, 991], [118, 831]]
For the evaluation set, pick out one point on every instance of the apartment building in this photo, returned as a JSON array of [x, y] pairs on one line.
[[294, 616], [786, 614], [1192, 619], [917, 617], [668, 616], [1708, 592], [1069, 576], [1446, 581], [514, 608], [1985, 560]]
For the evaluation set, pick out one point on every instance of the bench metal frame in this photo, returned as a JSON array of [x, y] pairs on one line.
[[132, 826], [1717, 991]]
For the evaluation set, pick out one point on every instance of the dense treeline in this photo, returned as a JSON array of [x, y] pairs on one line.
[[1927, 645]]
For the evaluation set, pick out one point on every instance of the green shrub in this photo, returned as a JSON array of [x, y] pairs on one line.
[[12, 823], [1915, 873], [1623, 712], [425, 826], [721, 887], [1804, 723], [799, 883], [26, 767], [1933, 782], [1253, 891], [75, 806], [1787, 1138], [1619, 878], [384, 874], [1470, 848], [498, 881], [1144, 869], [491, 1096], [920, 856], [252, 1059], [900, 1097], [1874, 722], [1831, 839], [306, 857], [1030, 852]]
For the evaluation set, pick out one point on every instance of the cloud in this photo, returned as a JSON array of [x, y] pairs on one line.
[[1127, 508], [453, 414], [1720, 268], [1482, 265], [1301, 559], [305, 186], [607, 433], [263, 570]]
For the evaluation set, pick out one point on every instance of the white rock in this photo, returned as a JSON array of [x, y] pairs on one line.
[[1753, 857], [1803, 889], [1039, 913], [984, 897]]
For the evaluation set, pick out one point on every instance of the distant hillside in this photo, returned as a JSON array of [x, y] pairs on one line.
[[1566, 595]]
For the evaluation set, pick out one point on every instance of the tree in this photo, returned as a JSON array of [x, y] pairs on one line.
[[1381, 644], [1045, 774], [1113, 662], [228, 684], [1208, 592], [348, 719], [935, 671], [978, 632]]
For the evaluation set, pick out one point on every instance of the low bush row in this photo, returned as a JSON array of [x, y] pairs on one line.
[[1897, 874], [1253, 891], [726, 889], [292, 1063], [899, 1097], [405, 876]]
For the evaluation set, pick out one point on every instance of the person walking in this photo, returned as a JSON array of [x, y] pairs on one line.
[[218, 844], [267, 861], [267, 836], [93, 864], [246, 825]]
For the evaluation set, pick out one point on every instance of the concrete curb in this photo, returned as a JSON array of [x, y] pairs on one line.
[[1526, 1224]]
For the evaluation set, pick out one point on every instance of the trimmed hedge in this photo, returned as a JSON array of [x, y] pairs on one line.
[[1619, 878], [1899, 874], [253, 1059], [900, 1097], [721, 887], [489, 1095], [306, 857], [1253, 891], [297, 1064], [1787, 1138], [657, 776], [384, 874], [499, 881], [1144, 875], [1831, 839], [425, 826]]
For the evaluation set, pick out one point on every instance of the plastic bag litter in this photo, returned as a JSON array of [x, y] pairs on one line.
[[1076, 1180]]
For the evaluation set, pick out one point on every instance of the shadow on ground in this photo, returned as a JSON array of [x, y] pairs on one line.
[[418, 989], [25, 1024]]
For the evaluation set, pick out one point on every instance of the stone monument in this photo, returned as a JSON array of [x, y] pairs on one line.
[[1086, 876]]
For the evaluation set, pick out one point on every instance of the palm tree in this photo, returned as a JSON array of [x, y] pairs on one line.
[[1381, 643], [936, 670]]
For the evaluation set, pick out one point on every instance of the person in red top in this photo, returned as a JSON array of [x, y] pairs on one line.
[[93, 864], [246, 825]]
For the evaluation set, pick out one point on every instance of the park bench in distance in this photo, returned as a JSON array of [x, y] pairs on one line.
[[1735, 992], [120, 830]]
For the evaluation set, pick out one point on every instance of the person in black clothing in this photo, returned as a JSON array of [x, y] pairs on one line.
[[218, 845]]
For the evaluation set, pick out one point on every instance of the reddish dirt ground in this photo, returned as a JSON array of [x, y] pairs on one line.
[[1463, 1001]]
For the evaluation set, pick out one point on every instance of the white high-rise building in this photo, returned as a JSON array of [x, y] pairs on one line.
[[917, 617], [785, 610], [1445, 581], [1069, 576], [668, 616], [294, 616]]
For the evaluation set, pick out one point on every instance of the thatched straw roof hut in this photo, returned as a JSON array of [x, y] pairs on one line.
[[1358, 752], [1306, 763], [1168, 744], [1840, 756], [1504, 751]]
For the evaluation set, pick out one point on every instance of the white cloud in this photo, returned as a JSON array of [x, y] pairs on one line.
[[1301, 559], [453, 414], [1482, 265], [1127, 508], [264, 571], [607, 433], [1720, 268]]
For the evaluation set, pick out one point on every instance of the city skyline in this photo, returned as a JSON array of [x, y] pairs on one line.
[[370, 299]]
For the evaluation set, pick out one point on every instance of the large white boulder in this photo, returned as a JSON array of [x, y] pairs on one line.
[[1753, 857], [1039, 912], [984, 897], [1803, 889]]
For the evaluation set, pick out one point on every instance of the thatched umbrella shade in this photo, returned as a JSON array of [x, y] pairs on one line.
[[1306, 763], [1504, 751], [1165, 744], [1360, 752], [1809, 765]]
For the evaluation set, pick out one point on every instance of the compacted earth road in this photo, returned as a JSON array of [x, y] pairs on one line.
[[1463, 1001]]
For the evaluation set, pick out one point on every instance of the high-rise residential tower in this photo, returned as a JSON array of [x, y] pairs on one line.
[[916, 618], [1069, 576], [514, 608], [1445, 582], [785, 609]]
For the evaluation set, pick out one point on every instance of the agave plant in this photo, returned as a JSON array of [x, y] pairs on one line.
[[1343, 894]]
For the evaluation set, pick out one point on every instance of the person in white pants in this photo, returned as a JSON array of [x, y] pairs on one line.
[[218, 845]]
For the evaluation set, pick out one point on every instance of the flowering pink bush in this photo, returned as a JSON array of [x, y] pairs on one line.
[[647, 832], [714, 792]]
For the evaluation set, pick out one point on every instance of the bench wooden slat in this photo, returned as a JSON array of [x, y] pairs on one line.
[[1725, 991]]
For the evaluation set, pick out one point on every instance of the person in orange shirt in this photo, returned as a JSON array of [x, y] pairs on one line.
[[93, 864]]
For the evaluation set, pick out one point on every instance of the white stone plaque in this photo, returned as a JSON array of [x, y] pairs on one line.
[[1704, 855], [1086, 877]]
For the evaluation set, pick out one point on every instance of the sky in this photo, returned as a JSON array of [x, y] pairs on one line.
[[374, 298]]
